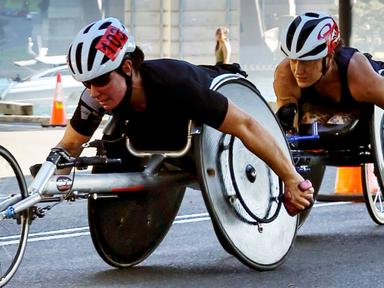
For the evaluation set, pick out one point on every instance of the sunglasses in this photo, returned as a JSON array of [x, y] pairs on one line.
[[100, 81]]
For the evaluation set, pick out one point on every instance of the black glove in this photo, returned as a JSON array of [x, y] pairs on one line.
[[286, 115]]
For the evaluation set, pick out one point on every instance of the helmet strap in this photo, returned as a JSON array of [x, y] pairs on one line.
[[124, 104], [128, 83], [324, 70], [324, 66]]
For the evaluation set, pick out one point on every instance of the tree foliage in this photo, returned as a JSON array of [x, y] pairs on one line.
[[367, 25]]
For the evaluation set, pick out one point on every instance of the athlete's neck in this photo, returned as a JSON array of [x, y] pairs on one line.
[[138, 99], [329, 76]]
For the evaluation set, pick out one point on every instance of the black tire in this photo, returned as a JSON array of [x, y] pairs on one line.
[[315, 175], [13, 232], [126, 229], [222, 240], [374, 198]]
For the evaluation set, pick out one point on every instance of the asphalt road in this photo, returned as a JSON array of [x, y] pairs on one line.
[[338, 246]]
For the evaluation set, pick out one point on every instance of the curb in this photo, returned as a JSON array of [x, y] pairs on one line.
[[43, 120], [25, 119]]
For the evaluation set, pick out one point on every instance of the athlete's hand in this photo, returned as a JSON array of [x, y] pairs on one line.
[[298, 196]]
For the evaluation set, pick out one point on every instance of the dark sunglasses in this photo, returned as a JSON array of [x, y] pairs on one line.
[[100, 81]]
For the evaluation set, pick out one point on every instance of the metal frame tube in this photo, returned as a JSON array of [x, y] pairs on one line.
[[118, 182]]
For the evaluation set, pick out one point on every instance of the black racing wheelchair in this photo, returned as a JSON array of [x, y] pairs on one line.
[[138, 181], [357, 143]]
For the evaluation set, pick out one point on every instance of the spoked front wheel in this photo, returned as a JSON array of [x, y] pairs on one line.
[[374, 199], [373, 190], [13, 232]]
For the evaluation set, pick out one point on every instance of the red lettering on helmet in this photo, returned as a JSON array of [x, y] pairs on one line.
[[330, 33], [324, 32], [112, 41]]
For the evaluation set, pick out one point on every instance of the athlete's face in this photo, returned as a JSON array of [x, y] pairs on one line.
[[111, 92], [306, 73]]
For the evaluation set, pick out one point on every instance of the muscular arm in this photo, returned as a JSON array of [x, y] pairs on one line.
[[72, 141], [257, 140], [287, 92], [285, 86], [262, 144], [365, 84]]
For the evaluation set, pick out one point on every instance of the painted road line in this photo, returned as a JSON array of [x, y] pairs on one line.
[[84, 231]]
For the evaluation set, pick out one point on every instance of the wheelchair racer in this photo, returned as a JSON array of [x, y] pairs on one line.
[[104, 57], [320, 79]]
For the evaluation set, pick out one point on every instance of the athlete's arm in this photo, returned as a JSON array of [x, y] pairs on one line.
[[262, 144], [286, 89], [365, 84], [72, 141], [287, 94]]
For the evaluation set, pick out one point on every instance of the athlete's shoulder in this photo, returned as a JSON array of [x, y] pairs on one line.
[[166, 64], [358, 64], [283, 73]]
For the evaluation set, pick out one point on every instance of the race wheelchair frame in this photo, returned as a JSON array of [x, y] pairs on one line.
[[358, 143], [134, 189]]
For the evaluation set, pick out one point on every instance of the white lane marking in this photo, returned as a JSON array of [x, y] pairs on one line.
[[84, 231], [331, 204], [76, 232], [192, 220]]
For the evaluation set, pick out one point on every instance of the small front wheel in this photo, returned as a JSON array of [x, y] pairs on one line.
[[13, 232], [374, 198], [373, 192]]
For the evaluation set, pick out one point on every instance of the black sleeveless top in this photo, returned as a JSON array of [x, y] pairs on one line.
[[347, 103]]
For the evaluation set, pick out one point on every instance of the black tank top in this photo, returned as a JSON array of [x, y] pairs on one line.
[[347, 102]]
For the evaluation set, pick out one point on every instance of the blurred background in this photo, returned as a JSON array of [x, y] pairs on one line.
[[35, 35]]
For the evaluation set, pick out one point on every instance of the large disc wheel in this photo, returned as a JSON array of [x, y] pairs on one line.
[[373, 175], [242, 194], [126, 228], [13, 232]]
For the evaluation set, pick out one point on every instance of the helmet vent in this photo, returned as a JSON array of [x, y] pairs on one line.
[[105, 25], [87, 29], [291, 31], [105, 59], [69, 60], [92, 53], [315, 50], [79, 48], [305, 32], [312, 14]]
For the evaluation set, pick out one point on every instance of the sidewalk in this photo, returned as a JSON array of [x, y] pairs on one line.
[[31, 146]]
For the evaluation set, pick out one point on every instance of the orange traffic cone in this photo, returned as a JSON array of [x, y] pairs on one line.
[[58, 114], [349, 186], [348, 180]]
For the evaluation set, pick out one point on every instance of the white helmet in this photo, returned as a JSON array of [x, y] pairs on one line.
[[99, 48], [310, 36]]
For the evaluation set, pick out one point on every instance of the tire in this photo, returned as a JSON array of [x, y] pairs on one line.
[[13, 232], [315, 175], [374, 198], [127, 228], [221, 238], [222, 165]]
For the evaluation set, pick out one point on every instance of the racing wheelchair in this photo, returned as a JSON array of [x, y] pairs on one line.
[[358, 143], [137, 184]]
